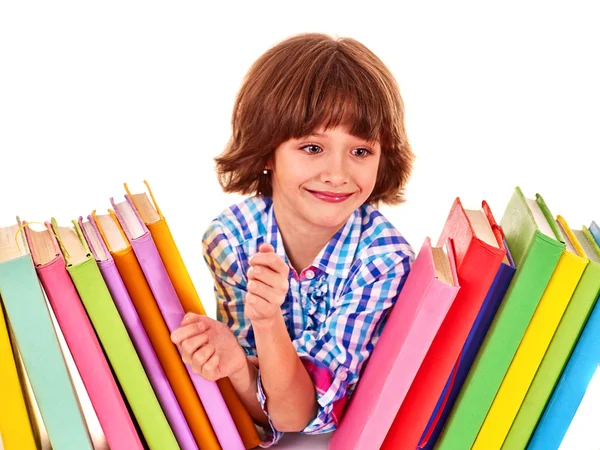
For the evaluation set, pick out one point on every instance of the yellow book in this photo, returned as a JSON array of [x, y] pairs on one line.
[[14, 420], [533, 346]]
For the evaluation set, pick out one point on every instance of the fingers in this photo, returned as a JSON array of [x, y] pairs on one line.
[[269, 277], [189, 347], [266, 248], [201, 356], [268, 293], [187, 331], [259, 308], [270, 260]]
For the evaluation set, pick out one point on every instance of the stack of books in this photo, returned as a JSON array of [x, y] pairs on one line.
[[493, 343]]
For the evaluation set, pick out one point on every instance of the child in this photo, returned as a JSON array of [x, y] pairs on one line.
[[306, 268]]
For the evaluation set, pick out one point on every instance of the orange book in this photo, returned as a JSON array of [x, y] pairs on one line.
[[158, 333], [188, 296]]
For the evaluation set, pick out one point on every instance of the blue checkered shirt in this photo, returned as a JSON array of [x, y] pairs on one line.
[[335, 308]]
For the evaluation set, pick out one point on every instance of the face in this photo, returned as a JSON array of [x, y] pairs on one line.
[[323, 178]]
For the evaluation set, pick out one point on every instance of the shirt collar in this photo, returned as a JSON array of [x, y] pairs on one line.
[[336, 257]]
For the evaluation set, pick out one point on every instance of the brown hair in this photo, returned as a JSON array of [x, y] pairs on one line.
[[307, 81]]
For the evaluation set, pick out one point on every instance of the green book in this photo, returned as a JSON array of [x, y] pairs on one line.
[[563, 341], [531, 235], [114, 338], [27, 311]]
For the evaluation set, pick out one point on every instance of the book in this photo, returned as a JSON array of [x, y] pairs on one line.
[[476, 336], [14, 418], [478, 257], [534, 344], [172, 312], [568, 331], [137, 287], [113, 335], [536, 251], [583, 432], [152, 216], [34, 333], [429, 290], [138, 335], [573, 382], [81, 339]]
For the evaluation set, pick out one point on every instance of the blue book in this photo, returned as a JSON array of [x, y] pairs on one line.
[[474, 340], [571, 387]]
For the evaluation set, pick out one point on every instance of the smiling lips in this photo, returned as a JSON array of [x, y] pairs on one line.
[[331, 197]]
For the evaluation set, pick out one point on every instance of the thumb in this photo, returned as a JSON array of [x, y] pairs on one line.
[[266, 248]]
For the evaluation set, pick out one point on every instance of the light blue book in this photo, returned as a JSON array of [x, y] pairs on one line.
[[38, 344], [573, 382]]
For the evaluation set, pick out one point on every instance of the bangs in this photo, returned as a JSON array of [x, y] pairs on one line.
[[334, 92]]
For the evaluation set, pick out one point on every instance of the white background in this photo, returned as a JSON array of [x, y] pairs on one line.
[[96, 94]]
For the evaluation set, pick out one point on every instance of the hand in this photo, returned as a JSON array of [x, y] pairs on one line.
[[209, 346], [267, 285]]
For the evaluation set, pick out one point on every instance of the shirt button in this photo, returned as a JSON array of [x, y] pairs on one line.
[[343, 375], [310, 274]]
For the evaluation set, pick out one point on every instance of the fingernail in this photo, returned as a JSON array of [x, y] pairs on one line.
[[251, 284], [250, 271]]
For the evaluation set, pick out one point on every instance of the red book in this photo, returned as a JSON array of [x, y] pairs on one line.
[[478, 257]]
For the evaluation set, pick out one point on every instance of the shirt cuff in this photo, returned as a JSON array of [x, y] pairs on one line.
[[272, 436]]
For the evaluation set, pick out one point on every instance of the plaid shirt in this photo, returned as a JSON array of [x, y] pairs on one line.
[[334, 309]]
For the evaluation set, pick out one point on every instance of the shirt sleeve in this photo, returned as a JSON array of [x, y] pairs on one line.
[[335, 352], [230, 284]]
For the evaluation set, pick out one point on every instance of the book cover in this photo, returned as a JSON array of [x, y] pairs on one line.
[[573, 382], [536, 251], [469, 351], [533, 346], [138, 335], [172, 312], [14, 419], [113, 335], [137, 287], [563, 341], [478, 258], [34, 333], [405, 340], [81, 340], [156, 223]]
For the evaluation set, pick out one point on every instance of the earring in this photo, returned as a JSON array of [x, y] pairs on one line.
[[265, 171]]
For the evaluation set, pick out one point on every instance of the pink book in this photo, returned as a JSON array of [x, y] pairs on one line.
[[79, 334], [172, 311], [412, 324], [138, 335]]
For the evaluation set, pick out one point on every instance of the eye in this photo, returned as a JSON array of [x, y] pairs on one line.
[[362, 152], [312, 149]]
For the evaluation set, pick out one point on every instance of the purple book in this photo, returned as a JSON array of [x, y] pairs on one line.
[[138, 335], [172, 311]]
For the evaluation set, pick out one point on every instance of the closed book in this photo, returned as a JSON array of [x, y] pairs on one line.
[[478, 257], [137, 287], [573, 382], [113, 335], [535, 251], [156, 223], [14, 420], [413, 322], [138, 335], [35, 336], [173, 313], [568, 331], [469, 351], [81, 340], [533, 346]]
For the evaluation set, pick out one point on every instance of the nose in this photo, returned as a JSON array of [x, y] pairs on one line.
[[335, 170]]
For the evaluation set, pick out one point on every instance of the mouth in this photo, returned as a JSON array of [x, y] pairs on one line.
[[331, 197]]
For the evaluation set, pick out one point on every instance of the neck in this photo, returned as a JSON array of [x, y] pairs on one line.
[[302, 242]]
